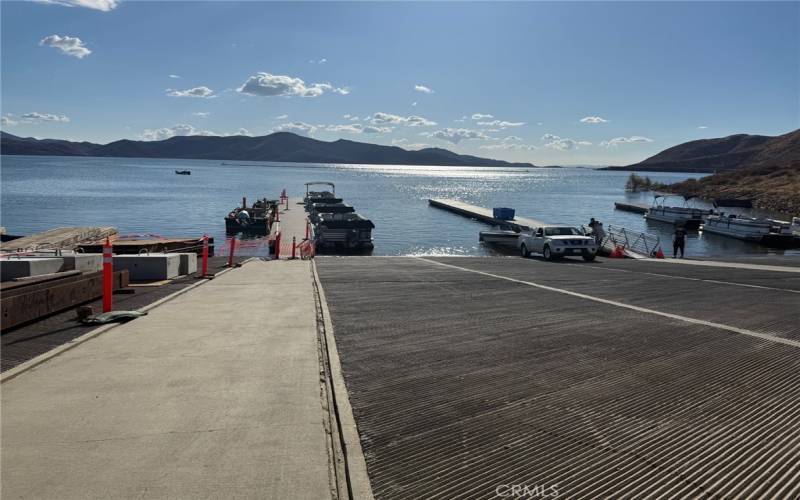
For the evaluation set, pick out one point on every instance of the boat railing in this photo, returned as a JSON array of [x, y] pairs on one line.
[[641, 243]]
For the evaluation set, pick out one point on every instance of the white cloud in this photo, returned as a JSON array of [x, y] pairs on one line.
[[357, 128], [318, 61], [68, 45], [352, 118], [501, 124], [417, 146], [456, 135], [625, 140], [411, 121], [104, 5], [512, 138], [562, 143], [414, 103], [202, 114], [8, 121], [267, 85], [481, 116], [243, 131], [423, 89], [174, 76], [702, 127], [593, 119], [182, 129], [509, 146], [296, 127], [282, 117], [396, 142], [202, 91], [43, 117]]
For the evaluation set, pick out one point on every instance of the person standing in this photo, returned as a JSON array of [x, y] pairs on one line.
[[678, 241]]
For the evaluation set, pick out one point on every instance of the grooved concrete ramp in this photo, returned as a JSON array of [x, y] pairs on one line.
[[215, 394], [469, 379]]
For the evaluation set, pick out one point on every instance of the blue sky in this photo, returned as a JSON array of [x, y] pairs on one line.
[[557, 83]]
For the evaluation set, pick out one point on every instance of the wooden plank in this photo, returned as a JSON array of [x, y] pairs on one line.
[[59, 238], [184, 245], [30, 305], [27, 281]]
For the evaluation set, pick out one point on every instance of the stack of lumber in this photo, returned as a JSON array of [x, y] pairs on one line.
[[59, 238]]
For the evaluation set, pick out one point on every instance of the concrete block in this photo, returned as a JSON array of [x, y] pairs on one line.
[[86, 262], [155, 266], [28, 266], [188, 264]]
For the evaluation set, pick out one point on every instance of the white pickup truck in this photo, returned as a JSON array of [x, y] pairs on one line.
[[556, 241]]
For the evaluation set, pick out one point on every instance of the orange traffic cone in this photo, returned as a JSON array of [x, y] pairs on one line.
[[617, 253], [659, 254]]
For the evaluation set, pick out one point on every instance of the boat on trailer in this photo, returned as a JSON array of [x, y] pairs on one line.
[[502, 235], [687, 216]]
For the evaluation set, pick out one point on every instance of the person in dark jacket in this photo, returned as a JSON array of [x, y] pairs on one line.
[[678, 241]]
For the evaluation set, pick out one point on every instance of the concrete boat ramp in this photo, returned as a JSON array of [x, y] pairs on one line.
[[347, 377]]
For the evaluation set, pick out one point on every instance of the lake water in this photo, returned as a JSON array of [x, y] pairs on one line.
[[145, 196]]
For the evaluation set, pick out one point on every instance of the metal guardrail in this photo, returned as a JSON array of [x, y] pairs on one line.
[[636, 242], [641, 243]]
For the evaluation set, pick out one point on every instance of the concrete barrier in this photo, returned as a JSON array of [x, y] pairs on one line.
[[86, 262], [29, 266], [188, 263], [155, 266]]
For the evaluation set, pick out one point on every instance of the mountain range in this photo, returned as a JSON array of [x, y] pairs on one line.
[[276, 147], [723, 154]]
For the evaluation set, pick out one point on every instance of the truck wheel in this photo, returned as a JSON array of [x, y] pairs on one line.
[[548, 254], [524, 251]]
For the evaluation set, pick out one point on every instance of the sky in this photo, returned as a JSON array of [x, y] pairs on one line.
[[582, 83]]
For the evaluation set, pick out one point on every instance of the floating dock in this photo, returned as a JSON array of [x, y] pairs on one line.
[[482, 214], [639, 208]]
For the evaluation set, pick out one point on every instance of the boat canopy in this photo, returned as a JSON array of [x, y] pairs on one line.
[[321, 183]]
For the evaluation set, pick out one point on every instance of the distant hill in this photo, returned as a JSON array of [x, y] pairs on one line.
[[277, 147], [724, 154]]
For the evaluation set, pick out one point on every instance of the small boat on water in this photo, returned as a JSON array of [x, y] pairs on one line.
[[760, 230], [336, 226], [687, 216], [256, 219], [183, 172], [500, 236]]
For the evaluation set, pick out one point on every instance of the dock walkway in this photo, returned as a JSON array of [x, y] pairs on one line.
[[214, 394], [482, 214], [292, 224]]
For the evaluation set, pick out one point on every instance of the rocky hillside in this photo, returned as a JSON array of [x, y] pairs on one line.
[[723, 154], [771, 187]]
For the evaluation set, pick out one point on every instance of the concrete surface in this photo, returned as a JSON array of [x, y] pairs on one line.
[[154, 266], [188, 263], [86, 262], [28, 266], [215, 394], [612, 379]]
